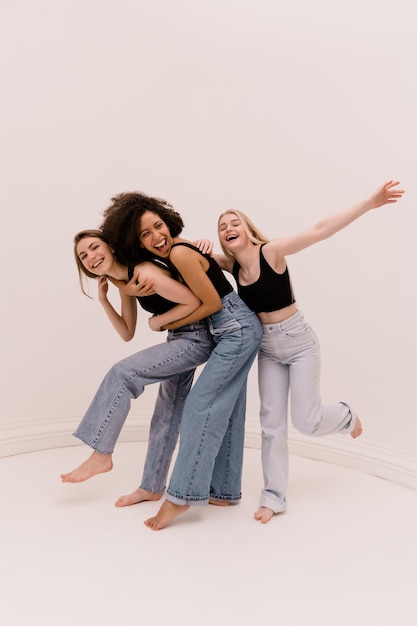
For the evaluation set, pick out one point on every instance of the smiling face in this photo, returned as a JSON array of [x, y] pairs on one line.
[[95, 255], [236, 231], [154, 234], [231, 231]]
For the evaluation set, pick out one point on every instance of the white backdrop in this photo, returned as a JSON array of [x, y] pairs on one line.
[[286, 110]]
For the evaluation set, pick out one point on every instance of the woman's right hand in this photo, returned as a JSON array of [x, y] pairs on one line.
[[205, 246], [145, 287], [103, 288]]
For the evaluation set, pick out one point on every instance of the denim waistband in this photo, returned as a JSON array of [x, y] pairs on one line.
[[231, 298], [285, 324], [202, 325]]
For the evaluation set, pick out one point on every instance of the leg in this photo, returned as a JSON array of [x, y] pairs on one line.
[[208, 414], [309, 415], [273, 379], [101, 425], [227, 473], [163, 437], [208, 410]]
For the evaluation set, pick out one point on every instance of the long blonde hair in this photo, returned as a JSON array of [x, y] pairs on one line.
[[253, 233]]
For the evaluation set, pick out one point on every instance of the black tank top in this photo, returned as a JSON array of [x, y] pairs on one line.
[[214, 272], [271, 292], [155, 303]]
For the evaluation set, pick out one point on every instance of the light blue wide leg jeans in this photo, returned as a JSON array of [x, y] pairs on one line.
[[164, 430], [184, 350], [289, 367], [209, 460]]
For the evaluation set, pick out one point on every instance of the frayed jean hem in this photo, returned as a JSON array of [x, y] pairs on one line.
[[90, 445]]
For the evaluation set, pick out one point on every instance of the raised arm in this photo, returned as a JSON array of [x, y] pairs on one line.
[[328, 226], [125, 322]]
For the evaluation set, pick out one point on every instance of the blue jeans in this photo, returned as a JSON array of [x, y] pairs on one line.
[[289, 363], [210, 456], [173, 362], [164, 430]]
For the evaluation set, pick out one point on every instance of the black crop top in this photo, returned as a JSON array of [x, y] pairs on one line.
[[214, 272], [154, 303], [271, 292]]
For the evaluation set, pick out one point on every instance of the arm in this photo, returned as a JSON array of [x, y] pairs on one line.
[[149, 279], [124, 323], [172, 290], [206, 246], [225, 263], [325, 228], [192, 267]]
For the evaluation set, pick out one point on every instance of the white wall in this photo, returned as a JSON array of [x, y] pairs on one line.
[[286, 110]]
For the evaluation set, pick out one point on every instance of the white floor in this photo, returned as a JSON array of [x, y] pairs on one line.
[[345, 552]]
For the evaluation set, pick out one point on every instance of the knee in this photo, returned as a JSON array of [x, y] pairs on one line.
[[307, 425]]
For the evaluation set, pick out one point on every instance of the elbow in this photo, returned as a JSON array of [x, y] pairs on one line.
[[128, 337], [215, 307]]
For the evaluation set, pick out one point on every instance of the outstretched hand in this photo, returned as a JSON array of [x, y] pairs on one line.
[[387, 194]]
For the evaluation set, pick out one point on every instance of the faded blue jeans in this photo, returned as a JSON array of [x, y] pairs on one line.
[[289, 367], [173, 363], [210, 455]]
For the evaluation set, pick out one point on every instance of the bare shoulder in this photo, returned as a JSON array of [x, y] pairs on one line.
[[184, 253], [273, 254], [184, 247], [150, 269]]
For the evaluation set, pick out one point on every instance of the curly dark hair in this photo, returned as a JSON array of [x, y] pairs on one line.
[[121, 223]]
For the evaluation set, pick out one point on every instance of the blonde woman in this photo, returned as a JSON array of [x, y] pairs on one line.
[[289, 356]]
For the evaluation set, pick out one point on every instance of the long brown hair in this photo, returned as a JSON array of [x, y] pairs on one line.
[[82, 270]]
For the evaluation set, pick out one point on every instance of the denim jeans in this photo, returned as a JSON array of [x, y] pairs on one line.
[[289, 367], [173, 362], [210, 455], [164, 430]]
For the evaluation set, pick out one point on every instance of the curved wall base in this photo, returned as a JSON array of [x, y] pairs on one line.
[[392, 465]]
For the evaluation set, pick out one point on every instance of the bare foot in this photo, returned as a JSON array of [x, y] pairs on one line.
[[357, 429], [139, 495], [263, 514], [165, 515], [217, 502], [96, 464]]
